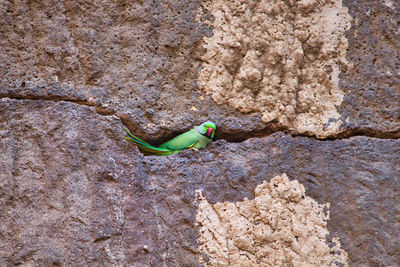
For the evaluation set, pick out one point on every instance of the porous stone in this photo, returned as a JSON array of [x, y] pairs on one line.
[[141, 61], [372, 87], [279, 227], [73, 74], [61, 203], [136, 60], [74, 192], [281, 59]]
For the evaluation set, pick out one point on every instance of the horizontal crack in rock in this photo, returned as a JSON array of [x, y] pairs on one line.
[[100, 110], [232, 136], [102, 238]]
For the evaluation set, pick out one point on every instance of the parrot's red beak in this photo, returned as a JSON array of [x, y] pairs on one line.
[[209, 132]]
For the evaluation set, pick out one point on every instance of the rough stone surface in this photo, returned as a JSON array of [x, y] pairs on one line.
[[73, 74], [279, 58], [279, 227], [60, 202], [133, 59], [140, 61], [73, 192], [372, 88]]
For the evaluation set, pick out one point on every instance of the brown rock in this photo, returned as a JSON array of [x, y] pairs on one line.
[[140, 61], [136, 60], [73, 192], [372, 95], [60, 200]]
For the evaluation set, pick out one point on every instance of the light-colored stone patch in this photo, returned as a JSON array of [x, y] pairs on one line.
[[279, 58], [280, 227], [389, 4]]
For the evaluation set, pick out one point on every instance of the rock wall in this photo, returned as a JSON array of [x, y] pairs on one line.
[[73, 75]]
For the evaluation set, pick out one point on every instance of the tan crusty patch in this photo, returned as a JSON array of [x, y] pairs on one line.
[[280, 227], [279, 58]]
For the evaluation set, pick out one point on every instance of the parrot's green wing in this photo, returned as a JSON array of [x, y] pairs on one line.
[[183, 141]]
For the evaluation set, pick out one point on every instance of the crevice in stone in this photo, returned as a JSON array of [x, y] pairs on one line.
[[102, 238], [243, 136], [231, 136], [99, 109], [367, 132]]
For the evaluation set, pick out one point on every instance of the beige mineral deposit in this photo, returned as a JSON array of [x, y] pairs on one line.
[[281, 59], [281, 226]]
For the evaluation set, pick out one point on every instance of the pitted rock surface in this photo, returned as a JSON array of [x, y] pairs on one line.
[[281, 226], [140, 61], [73, 192], [280, 59], [372, 88], [133, 59]]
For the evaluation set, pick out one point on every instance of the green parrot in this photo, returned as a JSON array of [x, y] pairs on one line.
[[198, 137]]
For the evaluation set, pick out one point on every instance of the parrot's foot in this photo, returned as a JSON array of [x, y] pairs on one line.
[[195, 149]]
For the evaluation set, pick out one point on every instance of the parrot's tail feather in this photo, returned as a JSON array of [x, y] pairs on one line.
[[149, 149], [140, 144], [136, 138], [137, 142]]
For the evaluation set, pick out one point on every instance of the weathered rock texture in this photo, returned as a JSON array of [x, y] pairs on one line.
[[73, 192], [140, 61], [372, 88], [279, 227], [60, 204], [279, 58], [133, 59]]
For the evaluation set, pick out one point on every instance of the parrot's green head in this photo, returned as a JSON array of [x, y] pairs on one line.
[[207, 129]]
